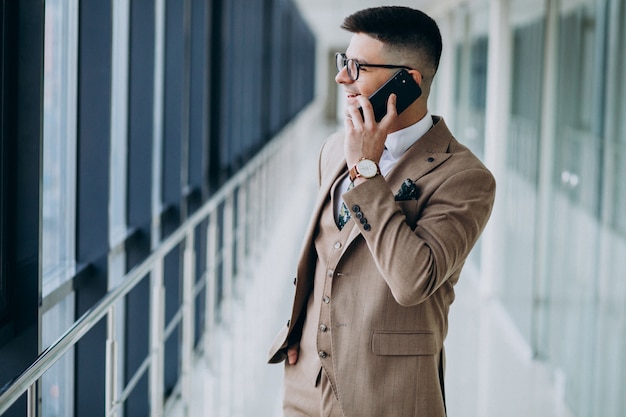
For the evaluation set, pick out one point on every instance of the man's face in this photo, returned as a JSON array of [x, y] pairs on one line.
[[365, 50]]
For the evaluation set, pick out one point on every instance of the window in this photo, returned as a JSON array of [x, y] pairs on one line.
[[58, 382], [619, 201], [3, 289], [3, 188], [3, 283], [59, 143], [58, 199], [471, 82]]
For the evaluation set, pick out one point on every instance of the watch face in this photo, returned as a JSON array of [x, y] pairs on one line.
[[367, 168]]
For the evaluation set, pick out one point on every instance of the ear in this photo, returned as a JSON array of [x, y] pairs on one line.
[[417, 76]]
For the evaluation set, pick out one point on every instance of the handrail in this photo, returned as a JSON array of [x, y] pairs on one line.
[[23, 383]]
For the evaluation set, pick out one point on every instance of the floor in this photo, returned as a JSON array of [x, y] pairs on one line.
[[490, 372]]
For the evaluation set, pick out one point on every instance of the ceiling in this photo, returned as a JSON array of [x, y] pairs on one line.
[[326, 16]]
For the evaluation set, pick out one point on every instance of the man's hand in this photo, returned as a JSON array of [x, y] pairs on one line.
[[292, 354], [364, 137]]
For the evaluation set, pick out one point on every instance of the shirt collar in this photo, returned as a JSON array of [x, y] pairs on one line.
[[398, 142]]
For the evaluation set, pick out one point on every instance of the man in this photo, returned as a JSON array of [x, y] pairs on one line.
[[369, 316]]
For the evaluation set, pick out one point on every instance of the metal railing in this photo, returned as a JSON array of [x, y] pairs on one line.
[[237, 219]]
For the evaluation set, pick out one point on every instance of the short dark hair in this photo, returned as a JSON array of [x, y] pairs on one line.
[[402, 27]]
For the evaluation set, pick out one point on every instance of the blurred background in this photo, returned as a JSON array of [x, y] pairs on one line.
[[158, 169]]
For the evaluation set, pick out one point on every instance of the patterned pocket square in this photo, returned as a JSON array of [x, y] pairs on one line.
[[408, 191]]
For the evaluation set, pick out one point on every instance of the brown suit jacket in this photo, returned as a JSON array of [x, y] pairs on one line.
[[389, 312]]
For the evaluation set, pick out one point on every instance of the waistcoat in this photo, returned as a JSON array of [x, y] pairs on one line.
[[316, 343]]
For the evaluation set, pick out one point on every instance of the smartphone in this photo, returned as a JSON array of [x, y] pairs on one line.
[[403, 86]]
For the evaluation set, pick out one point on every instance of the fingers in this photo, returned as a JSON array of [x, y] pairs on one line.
[[392, 113], [292, 354], [365, 112], [365, 137], [390, 116], [354, 117], [362, 115]]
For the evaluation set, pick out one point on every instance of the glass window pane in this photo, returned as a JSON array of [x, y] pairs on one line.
[[3, 289], [522, 180], [58, 382], [610, 345], [471, 83], [619, 178], [574, 235], [59, 143], [58, 199]]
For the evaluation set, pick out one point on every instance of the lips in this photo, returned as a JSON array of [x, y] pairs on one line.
[[351, 96]]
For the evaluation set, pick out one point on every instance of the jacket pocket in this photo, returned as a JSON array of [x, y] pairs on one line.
[[404, 343]]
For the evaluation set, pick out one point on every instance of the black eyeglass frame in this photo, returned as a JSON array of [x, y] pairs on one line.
[[345, 60]]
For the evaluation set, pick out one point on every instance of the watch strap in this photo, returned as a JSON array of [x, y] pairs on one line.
[[354, 173]]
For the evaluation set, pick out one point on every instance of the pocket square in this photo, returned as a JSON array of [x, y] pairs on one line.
[[408, 191]]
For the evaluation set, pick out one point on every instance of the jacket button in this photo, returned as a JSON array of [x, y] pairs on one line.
[[356, 208], [323, 328], [295, 280], [431, 159], [367, 227], [288, 323], [322, 354], [326, 299]]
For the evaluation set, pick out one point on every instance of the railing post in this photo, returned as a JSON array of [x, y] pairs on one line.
[[157, 319], [210, 325], [227, 257], [110, 391], [253, 216], [188, 320], [242, 226], [262, 177], [210, 291], [32, 399]]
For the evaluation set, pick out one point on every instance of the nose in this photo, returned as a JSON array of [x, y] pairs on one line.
[[342, 77]]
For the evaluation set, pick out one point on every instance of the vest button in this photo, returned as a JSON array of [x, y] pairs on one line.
[[322, 354], [326, 300], [323, 328]]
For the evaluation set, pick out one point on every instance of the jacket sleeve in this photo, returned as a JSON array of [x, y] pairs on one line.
[[415, 262]]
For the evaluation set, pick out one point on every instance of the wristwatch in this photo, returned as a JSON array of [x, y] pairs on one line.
[[365, 168]]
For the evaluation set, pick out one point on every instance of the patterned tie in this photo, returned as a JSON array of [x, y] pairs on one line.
[[344, 213]]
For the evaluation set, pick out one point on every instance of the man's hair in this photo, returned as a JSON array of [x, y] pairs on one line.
[[400, 27]]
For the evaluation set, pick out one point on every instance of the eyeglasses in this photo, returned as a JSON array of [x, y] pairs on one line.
[[354, 68]]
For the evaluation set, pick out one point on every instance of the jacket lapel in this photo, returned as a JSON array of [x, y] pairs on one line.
[[430, 151]]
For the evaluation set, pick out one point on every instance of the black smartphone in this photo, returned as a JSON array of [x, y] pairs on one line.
[[403, 86]]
